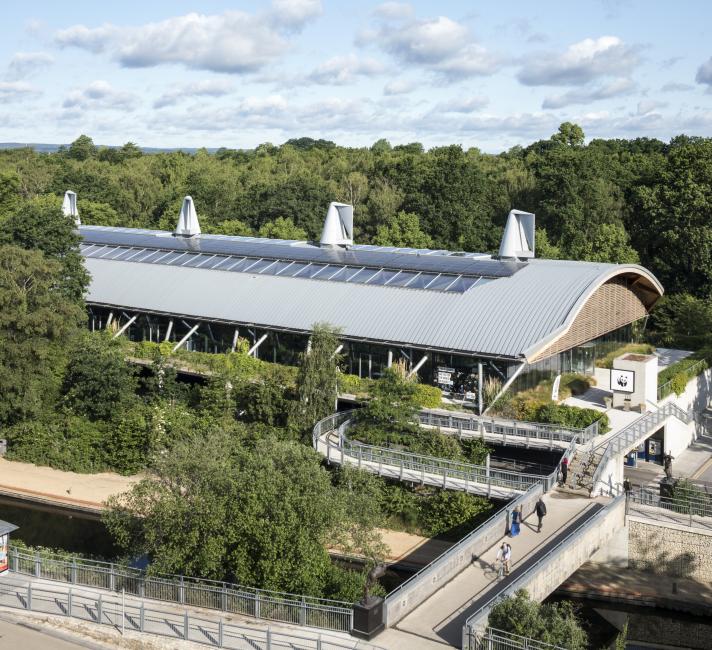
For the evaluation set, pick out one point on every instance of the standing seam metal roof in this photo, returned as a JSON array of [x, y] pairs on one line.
[[504, 317]]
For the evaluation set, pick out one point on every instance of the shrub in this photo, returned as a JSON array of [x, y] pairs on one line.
[[452, 512], [428, 396]]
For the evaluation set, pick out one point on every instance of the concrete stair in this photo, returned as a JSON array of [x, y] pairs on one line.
[[581, 470]]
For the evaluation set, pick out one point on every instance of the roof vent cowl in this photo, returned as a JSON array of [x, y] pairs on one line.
[[69, 207], [518, 239], [338, 226], [188, 225]]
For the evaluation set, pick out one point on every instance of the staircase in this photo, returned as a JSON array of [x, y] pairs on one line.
[[581, 471]]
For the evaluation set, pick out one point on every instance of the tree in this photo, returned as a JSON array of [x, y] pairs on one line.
[[259, 516], [36, 323], [402, 230], [393, 405], [232, 227], [316, 378], [607, 243], [282, 228], [554, 623], [39, 224], [569, 134], [82, 148], [99, 383]]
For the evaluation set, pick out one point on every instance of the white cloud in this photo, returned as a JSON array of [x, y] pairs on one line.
[[586, 95], [461, 105], [24, 64], [437, 44], [342, 70], [646, 106], [674, 87], [234, 41], [582, 62], [394, 10], [100, 95], [399, 87], [11, 91], [704, 74], [205, 88]]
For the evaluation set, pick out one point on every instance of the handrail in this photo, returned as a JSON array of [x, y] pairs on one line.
[[629, 436], [500, 639], [211, 594], [399, 462], [514, 586], [479, 425]]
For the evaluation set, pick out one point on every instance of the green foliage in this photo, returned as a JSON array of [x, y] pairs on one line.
[[569, 416], [36, 322], [569, 134], [282, 228], [393, 406], [628, 348], [554, 623], [452, 512], [682, 321], [403, 229], [427, 396], [316, 379], [218, 510], [98, 383], [675, 377]]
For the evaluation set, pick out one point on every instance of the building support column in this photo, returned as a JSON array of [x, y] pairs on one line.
[[235, 336], [125, 326], [418, 366], [169, 330], [253, 350], [190, 333], [480, 379]]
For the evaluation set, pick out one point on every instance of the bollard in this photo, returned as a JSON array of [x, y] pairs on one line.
[[269, 638], [220, 634], [69, 603], [29, 595], [98, 610], [142, 617], [185, 626]]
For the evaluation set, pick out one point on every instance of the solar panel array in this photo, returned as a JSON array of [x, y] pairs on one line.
[[359, 265]]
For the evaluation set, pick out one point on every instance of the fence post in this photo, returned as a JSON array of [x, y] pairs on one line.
[[29, 595], [303, 612], [181, 592], [38, 565], [444, 476], [185, 625], [401, 468], [257, 604], [16, 556], [318, 642], [73, 571], [269, 638], [142, 617], [223, 598], [112, 578], [98, 609], [220, 633], [69, 603]]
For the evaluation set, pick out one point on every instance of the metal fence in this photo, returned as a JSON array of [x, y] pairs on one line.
[[129, 614], [630, 436], [685, 502], [209, 594], [493, 639], [511, 430]]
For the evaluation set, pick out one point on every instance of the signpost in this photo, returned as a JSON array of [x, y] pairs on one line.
[[622, 381]]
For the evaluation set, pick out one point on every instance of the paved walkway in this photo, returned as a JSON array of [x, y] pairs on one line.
[[440, 618], [84, 491]]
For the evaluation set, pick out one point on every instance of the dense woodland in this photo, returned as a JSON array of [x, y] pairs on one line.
[[241, 445]]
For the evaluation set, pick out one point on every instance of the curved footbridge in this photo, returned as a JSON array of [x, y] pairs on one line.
[[330, 439], [448, 601]]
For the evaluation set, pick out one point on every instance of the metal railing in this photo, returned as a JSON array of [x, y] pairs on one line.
[[630, 436], [493, 639], [514, 430], [685, 502], [224, 596], [130, 614], [521, 581], [691, 371], [433, 470]]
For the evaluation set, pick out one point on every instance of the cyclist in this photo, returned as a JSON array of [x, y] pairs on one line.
[[504, 555]]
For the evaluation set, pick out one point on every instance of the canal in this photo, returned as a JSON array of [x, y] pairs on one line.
[[54, 527]]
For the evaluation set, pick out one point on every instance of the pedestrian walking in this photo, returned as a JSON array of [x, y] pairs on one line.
[[516, 521], [540, 512], [564, 470], [504, 555]]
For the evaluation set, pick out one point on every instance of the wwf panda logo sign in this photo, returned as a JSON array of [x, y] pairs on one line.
[[622, 381]]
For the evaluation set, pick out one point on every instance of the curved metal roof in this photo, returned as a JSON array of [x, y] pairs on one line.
[[507, 316]]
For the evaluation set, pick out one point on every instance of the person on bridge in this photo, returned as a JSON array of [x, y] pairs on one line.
[[564, 470], [504, 555], [540, 510]]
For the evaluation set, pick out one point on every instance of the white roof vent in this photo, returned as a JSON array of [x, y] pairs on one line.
[[69, 207], [338, 225], [518, 238], [188, 225]]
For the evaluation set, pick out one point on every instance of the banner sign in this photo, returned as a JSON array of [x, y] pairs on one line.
[[622, 381], [4, 554], [444, 376]]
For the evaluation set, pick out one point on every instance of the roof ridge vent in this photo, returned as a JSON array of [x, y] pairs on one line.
[[518, 237], [338, 226], [69, 207], [188, 225]]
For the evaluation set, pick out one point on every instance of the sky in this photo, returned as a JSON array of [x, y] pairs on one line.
[[490, 75]]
